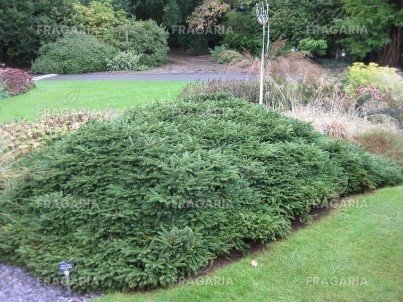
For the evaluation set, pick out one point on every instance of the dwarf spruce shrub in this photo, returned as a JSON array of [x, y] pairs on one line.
[[154, 196]]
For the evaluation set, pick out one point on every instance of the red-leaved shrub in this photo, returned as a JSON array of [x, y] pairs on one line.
[[16, 81]]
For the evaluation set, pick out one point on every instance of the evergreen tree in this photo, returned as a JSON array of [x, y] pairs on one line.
[[383, 23], [22, 27], [172, 14]]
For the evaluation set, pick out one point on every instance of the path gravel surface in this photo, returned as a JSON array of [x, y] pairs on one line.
[[197, 76], [16, 285], [180, 67]]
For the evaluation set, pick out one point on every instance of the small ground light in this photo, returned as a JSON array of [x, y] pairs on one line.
[[65, 268]]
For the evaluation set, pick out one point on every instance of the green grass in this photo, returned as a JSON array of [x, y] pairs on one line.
[[95, 95], [353, 254]]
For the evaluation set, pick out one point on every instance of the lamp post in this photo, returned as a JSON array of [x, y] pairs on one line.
[[262, 15]]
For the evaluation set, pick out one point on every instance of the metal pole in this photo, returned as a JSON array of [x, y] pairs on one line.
[[67, 274], [262, 15], [262, 69], [268, 30]]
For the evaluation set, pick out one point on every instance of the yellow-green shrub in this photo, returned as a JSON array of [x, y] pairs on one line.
[[360, 75], [376, 90]]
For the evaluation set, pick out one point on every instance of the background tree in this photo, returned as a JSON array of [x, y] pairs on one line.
[[22, 27], [383, 21], [125, 5], [291, 20], [17, 31], [368, 29], [100, 19], [207, 14], [166, 12], [172, 14]]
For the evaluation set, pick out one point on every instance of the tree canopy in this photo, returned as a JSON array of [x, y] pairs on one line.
[[383, 21], [366, 29]]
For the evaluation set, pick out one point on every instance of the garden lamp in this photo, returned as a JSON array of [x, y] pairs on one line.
[[262, 15], [343, 55]]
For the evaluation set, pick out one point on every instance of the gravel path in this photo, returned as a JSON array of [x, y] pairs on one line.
[[196, 76], [180, 67], [18, 286]]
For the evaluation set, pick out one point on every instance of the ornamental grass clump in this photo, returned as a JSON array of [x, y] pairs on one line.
[[157, 194]]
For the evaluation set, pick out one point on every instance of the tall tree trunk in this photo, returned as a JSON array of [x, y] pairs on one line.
[[392, 52], [3, 55]]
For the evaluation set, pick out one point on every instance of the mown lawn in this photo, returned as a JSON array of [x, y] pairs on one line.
[[70, 95], [353, 254]]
